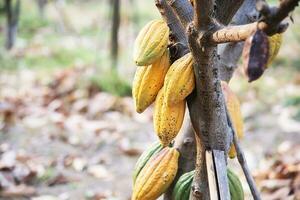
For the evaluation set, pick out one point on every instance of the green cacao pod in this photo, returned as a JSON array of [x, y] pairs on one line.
[[143, 159], [183, 186], [235, 186]]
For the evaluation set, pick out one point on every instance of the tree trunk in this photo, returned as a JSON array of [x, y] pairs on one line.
[[41, 6], [114, 31], [12, 14]]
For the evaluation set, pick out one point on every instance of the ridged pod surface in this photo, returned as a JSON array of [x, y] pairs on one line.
[[167, 119], [183, 186], [180, 80], [235, 186], [151, 42], [274, 46], [143, 159], [147, 82], [234, 109], [157, 175]]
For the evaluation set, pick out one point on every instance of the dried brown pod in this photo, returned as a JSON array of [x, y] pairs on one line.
[[255, 55]]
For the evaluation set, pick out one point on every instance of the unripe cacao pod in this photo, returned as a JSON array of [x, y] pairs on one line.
[[234, 109], [180, 80], [157, 175], [151, 43], [235, 186], [182, 187], [143, 159], [167, 119], [148, 80]]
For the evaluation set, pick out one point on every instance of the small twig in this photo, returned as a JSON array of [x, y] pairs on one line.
[[242, 160]]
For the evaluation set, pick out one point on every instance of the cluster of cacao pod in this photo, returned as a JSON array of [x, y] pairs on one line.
[[156, 80], [168, 85], [156, 169]]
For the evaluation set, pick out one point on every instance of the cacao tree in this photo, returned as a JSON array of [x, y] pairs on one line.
[[203, 40]]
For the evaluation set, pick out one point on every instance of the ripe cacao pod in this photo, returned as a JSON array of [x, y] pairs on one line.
[[274, 46], [143, 159], [147, 82], [167, 119], [234, 109], [183, 186], [157, 175], [235, 186], [151, 43], [180, 80]]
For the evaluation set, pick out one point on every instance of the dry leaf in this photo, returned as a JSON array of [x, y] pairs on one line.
[[18, 191]]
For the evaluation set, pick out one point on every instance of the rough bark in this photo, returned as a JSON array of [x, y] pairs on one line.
[[183, 9], [230, 6], [206, 107]]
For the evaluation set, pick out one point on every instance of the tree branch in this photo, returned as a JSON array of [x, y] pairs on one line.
[[271, 24], [183, 9], [273, 16], [242, 160], [203, 16], [229, 53], [177, 36], [233, 33], [231, 7]]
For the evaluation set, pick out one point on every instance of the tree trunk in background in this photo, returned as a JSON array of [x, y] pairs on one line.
[[12, 14], [41, 5], [114, 31]]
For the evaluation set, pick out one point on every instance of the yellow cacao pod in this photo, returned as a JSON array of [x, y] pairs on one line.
[[157, 175], [180, 80], [148, 80], [151, 43], [167, 119], [234, 109], [274, 46]]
